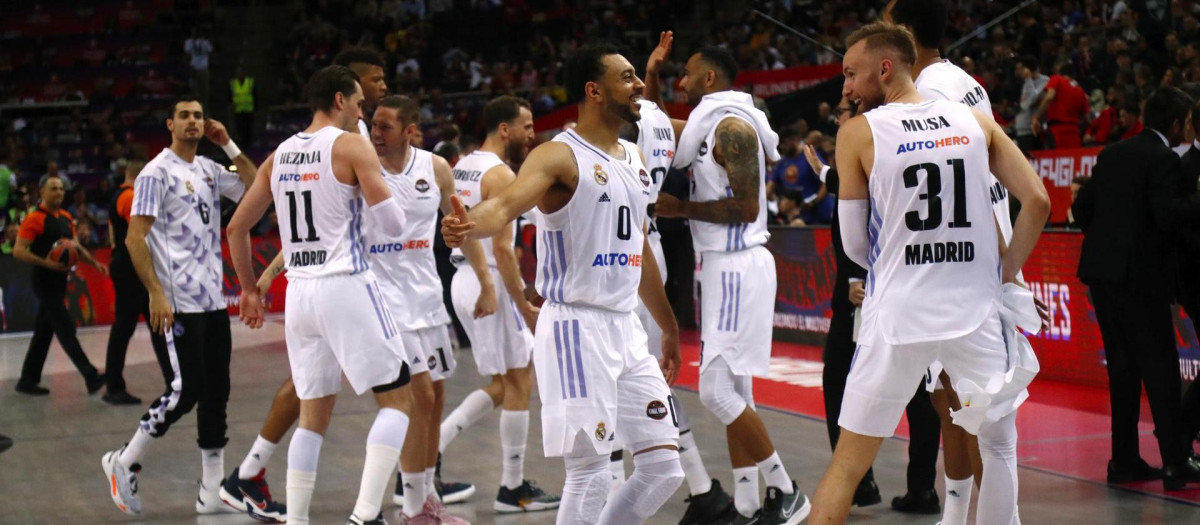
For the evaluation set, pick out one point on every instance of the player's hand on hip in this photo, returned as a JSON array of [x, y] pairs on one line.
[[810, 153], [671, 361], [216, 132], [661, 52], [162, 317], [250, 308], [457, 225], [668, 206], [485, 305], [857, 293]]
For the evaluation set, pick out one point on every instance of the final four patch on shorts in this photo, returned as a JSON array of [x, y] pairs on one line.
[[600, 431], [432, 363], [656, 410]]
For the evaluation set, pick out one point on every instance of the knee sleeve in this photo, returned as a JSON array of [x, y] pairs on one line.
[[719, 392], [657, 474], [584, 490], [998, 491]]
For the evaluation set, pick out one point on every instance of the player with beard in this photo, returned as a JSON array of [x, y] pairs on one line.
[[600, 388], [931, 248], [502, 343]]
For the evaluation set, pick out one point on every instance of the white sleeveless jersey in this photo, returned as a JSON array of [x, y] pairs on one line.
[[933, 265], [404, 266], [468, 184], [710, 182], [320, 219], [946, 81], [656, 139], [590, 251]]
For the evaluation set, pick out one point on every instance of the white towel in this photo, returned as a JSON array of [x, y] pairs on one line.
[[1004, 392], [711, 110]]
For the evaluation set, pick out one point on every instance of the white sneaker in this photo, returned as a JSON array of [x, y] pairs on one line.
[[122, 482], [208, 501]]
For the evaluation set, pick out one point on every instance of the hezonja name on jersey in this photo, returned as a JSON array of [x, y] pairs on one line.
[[415, 244], [919, 145], [618, 259], [299, 177], [298, 157], [925, 124]]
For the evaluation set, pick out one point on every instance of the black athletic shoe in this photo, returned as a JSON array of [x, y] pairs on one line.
[[377, 521], [714, 506], [867, 494], [121, 398], [923, 502], [739, 519], [32, 390], [785, 509], [253, 497], [526, 498], [96, 383], [5, 443]]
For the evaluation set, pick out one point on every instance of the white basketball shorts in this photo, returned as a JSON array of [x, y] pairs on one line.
[[340, 324], [428, 350], [595, 377], [737, 309], [501, 341], [883, 376]]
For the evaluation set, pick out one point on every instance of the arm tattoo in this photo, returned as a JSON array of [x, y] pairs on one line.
[[736, 149]]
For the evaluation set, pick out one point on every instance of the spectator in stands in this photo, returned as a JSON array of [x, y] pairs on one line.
[[53, 171], [1065, 106], [242, 89], [1100, 132], [789, 210], [826, 121], [791, 172], [1034, 82], [8, 183], [199, 48], [79, 207], [10, 238]]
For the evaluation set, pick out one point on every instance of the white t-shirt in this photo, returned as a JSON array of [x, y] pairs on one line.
[[199, 49]]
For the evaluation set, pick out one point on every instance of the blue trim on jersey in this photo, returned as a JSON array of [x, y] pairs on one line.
[[570, 363], [516, 314], [379, 314], [562, 380], [358, 235], [724, 301], [387, 312], [578, 358], [549, 267], [873, 228], [574, 136], [562, 259], [737, 301]]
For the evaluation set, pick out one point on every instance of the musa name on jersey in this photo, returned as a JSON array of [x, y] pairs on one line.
[[320, 218], [946, 81], [468, 184], [933, 264], [590, 251], [404, 266], [710, 182], [185, 241]]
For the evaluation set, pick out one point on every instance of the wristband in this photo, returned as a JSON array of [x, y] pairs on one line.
[[231, 149]]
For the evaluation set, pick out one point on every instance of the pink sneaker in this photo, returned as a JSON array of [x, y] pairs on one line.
[[424, 518], [438, 510]]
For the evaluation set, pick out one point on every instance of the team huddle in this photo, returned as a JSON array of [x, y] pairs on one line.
[[357, 205]]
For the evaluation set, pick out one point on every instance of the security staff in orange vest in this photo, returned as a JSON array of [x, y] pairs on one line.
[[40, 230]]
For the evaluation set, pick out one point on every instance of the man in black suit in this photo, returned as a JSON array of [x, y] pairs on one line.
[[1189, 279], [1131, 213], [923, 423]]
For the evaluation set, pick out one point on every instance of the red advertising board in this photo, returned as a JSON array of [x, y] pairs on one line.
[[1058, 167], [1071, 350], [772, 82]]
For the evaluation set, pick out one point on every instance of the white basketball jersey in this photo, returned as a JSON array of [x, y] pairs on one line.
[[656, 139], [320, 219], [404, 266], [590, 251], [710, 182], [946, 81], [933, 265], [468, 184]]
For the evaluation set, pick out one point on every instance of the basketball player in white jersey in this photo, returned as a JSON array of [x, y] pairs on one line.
[[726, 142], [599, 386], [409, 282], [174, 242], [502, 343], [325, 181], [707, 501], [246, 487], [928, 238]]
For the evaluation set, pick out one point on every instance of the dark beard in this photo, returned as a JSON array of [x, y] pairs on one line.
[[516, 153], [626, 113]]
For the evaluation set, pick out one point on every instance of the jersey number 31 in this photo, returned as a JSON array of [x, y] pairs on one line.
[[933, 187]]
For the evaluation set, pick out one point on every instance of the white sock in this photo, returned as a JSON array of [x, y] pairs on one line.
[[212, 462], [300, 487], [414, 492], [693, 466], [384, 442], [958, 501], [477, 404], [774, 473], [745, 491], [430, 487], [998, 490], [617, 468], [256, 460], [135, 449], [514, 433], [656, 476]]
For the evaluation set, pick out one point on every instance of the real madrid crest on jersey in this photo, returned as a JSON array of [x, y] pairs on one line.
[[422, 185], [189, 187], [600, 431], [645, 177], [601, 177]]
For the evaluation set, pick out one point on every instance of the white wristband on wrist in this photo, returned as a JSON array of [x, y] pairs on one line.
[[231, 149]]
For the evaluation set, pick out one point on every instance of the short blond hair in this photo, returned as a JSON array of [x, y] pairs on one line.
[[887, 35]]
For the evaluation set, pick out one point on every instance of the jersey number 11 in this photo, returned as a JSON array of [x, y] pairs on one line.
[[308, 216]]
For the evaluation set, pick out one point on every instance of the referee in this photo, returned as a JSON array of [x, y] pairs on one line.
[[42, 228], [132, 299]]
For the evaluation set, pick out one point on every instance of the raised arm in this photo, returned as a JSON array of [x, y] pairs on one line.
[[472, 249], [216, 132], [1016, 175], [736, 149], [254, 204], [653, 91]]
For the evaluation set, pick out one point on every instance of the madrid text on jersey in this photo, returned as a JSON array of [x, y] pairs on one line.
[[306, 258], [939, 252]]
